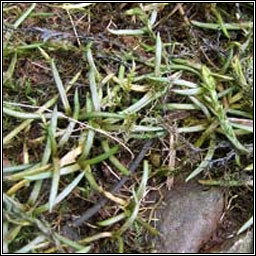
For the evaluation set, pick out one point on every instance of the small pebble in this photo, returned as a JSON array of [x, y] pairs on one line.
[[191, 215]]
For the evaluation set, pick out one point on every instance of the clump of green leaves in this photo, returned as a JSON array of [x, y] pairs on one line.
[[243, 71]]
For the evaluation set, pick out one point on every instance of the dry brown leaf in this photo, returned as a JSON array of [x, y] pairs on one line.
[[71, 156]]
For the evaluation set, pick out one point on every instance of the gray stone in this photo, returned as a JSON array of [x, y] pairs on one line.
[[191, 215], [239, 244]]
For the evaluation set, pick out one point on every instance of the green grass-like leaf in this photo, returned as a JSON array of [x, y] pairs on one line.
[[60, 87]]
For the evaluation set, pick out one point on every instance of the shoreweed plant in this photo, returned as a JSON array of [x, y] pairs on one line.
[[97, 99]]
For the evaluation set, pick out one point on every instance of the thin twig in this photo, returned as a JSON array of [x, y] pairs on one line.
[[83, 124], [74, 28], [93, 210]]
